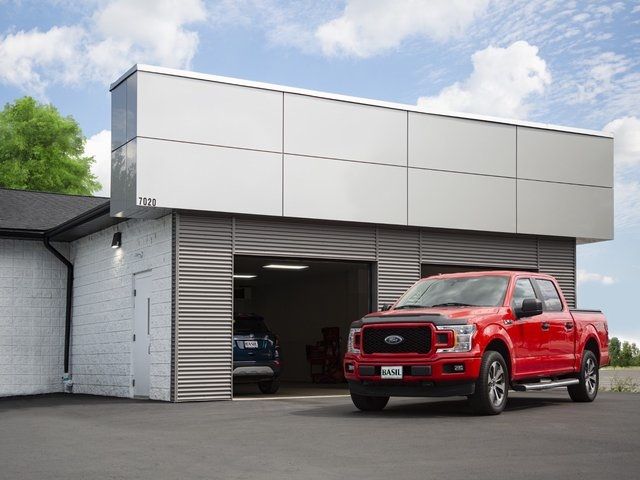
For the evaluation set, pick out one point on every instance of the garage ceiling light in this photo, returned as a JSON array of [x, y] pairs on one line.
[[244, 275], [278, 266]]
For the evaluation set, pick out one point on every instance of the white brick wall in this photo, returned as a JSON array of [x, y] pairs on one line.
[[32, 308], [103, 302]]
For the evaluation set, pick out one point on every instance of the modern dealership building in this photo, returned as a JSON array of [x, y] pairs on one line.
[[213, 178]]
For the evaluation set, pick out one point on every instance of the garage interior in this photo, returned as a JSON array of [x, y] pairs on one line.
[[297, 304]]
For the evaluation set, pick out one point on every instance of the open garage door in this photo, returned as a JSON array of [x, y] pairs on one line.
[[308, 305]]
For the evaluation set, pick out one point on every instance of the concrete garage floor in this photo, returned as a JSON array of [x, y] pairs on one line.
[[291, 389], [540, 436]]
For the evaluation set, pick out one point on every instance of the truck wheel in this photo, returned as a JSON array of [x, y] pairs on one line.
[[269, 386], [587, 389], [369, 404], [492, 389]]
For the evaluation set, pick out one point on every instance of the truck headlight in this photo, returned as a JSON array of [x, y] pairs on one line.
[[463, 335], [353, 343]]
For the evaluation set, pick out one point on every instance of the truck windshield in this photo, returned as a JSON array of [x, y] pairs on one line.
[[485, 291]]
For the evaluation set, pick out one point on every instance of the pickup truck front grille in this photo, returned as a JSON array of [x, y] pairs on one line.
[[414, 339]]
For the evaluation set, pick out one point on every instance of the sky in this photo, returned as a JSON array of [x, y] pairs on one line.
[[574, 63]]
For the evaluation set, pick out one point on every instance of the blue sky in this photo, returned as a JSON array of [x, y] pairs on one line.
[[573, 63]]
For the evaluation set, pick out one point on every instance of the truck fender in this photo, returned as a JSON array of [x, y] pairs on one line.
[[497, 332], [589, 333]]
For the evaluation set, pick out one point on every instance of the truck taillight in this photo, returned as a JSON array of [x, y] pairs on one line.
[[354, 341]]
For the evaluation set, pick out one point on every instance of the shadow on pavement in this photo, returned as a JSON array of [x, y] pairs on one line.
[[439, 408]]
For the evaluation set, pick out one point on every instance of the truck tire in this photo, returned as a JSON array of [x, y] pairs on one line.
[[269, 386], [369, 404], [492, 386], [587, 389]]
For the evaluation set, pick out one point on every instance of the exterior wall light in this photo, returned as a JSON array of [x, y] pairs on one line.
[[117, 240]]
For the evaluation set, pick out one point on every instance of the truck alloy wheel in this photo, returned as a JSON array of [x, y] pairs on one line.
[[587, 389], [492, 390]]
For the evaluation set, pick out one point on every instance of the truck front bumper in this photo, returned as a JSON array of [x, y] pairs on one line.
[[413, 389]]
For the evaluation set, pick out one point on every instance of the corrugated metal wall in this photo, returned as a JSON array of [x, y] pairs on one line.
[[478, 249], [398, 262], [205, 248], [558, 258], [204, 307]]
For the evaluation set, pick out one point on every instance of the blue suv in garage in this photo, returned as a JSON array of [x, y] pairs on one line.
[[256, 353]]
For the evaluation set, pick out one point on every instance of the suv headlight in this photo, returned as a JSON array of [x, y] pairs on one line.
[[463, 335], [353, 343]]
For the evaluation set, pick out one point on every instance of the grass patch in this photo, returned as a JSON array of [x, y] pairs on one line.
[[624, 384]]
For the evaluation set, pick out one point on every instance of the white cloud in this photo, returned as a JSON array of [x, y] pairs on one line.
[[626, 133], [502, 81], [590, 277], [29, 59], [369, 27], [627, 202], [601, 72], [99, 147], [118, 34]]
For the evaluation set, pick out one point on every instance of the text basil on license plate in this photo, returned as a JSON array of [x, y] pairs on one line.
[[250, 344], [391, 372]]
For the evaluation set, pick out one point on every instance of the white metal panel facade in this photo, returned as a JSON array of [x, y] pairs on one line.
[[343, 139], [351, 191], [461, 145], [559, 209], [331, 129], [221, 177], [463, 201], [564, 157], [188, 110]]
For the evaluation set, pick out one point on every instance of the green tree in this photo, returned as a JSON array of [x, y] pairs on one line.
[[614, 351], [42, 150]]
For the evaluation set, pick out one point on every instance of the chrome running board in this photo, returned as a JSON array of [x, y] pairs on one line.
[[527, 387]]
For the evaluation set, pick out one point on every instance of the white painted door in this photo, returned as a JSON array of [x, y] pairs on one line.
[[141, 333]]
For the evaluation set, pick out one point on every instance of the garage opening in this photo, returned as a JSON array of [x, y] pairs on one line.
[[307, 307]]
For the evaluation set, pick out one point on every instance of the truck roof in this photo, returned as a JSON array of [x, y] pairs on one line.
[[509, 273]]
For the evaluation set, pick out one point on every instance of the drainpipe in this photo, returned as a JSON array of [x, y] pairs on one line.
[[67, 319], [92, 214]]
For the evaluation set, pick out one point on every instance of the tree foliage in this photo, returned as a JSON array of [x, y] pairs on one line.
[[623, 354], [42, 150]]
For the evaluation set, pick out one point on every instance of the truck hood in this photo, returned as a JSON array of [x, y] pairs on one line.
[[437, 316]]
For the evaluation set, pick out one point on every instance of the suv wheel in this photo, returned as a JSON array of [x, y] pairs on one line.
[[269, 386], [587, 389], [492, 386], [369, 404]]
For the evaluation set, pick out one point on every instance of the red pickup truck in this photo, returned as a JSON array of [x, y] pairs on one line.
[[477, 335]]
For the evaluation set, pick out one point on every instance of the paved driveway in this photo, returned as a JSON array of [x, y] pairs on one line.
[[541, 435]]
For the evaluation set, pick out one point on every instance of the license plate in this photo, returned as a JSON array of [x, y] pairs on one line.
[[391, 373], [250, 344]]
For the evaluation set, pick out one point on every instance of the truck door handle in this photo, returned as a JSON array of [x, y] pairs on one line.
[[545, 325], [568, 325]]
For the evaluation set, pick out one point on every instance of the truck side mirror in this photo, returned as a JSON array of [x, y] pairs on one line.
[[385, 307], [530, 308]]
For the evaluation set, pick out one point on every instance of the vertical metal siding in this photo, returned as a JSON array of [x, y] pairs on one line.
[[204, 250], [478, 250], [303, 239], [398, 263], [557, 258], [204, 308]]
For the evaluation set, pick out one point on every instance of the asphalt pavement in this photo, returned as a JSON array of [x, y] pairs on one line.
[[539, 436]]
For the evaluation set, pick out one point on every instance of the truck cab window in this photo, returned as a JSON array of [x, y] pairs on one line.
[[524, 289], [550, 296]]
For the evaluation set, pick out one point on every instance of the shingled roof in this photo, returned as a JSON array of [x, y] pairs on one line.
[[37, 212]]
